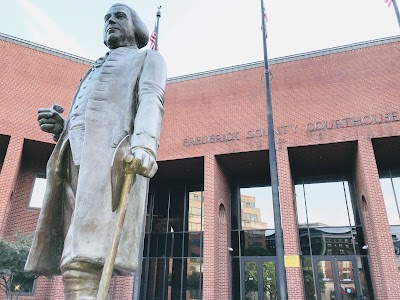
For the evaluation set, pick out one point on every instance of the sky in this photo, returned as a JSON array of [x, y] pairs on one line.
[[201, 35]]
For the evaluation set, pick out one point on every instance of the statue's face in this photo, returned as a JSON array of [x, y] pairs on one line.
[[119, 30]]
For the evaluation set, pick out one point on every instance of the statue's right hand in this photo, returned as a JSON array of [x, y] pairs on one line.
[[50, 120]]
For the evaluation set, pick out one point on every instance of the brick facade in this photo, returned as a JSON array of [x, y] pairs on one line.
[[318, 99]]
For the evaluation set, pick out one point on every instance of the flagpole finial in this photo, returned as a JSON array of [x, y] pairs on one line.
[[159, 11]]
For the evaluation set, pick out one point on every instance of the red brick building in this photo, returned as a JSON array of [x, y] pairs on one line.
[[336, 113]]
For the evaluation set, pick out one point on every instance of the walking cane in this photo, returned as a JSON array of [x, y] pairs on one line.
[[126, 167]]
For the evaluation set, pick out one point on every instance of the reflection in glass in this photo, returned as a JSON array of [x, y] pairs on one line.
[[304, 238], [256, 208], [301, 206], [195, 240], [195, 211], [328, 241], [326, 216], [390, 201], [39, 187], [326, 204], [366, 289], [269, 280], [395, 230], [258, 243], [326, 283], [308, 279], [349, 203], [194, 279], [250, 280], [22, 284], [174, 232], [346, 279]]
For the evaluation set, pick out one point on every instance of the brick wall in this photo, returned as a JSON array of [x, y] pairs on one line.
[[350, 84]]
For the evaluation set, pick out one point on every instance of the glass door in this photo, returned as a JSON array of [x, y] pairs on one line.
[[259, 279], [337, 278]]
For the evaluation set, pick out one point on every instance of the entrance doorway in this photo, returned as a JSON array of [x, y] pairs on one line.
[[259, 278], [337, 278]]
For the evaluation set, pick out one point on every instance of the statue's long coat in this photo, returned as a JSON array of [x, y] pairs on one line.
[[126, 98]]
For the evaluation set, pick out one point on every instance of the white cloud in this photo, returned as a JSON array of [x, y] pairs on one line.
[[45, 31]]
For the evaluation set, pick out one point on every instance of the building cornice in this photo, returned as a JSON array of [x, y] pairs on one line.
[[48, 50], [289, 58]]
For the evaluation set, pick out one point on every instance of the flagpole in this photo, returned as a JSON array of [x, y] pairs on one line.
[[280, 263], [158, 22], [396, 9]]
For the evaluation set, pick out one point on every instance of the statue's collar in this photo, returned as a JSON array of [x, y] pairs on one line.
[[121, 50]]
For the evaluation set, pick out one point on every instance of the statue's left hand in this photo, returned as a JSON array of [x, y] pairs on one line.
[[148, 163]]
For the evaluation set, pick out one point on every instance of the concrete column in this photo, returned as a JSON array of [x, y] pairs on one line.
[[289, 224], [216, 257], [8, 176], [384, 272]]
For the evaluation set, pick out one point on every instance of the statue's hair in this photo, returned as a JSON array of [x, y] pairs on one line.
[[141, 31]]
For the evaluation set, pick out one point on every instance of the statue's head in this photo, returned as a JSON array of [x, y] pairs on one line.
[[123, 27]]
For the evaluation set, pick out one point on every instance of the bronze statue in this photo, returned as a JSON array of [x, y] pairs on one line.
[[121, 95]]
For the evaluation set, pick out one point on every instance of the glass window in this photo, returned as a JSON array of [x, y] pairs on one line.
[[176, 210], [194, 279], [173, 245], [301, 205], [390, 192], [326, 216], [39, 187], [22, 284], [395, 230], [329, 241], [256, 208], [257, 243], [195, 211], [366, 286], [252, 234], [324, 204], [308, 279]]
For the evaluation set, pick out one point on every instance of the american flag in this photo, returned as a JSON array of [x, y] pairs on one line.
[[153, 38], [388, 2], [265, 19]]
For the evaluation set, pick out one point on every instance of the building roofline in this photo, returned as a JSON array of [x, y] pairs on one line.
[[48, 50], [236, 68], [289, 58]]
